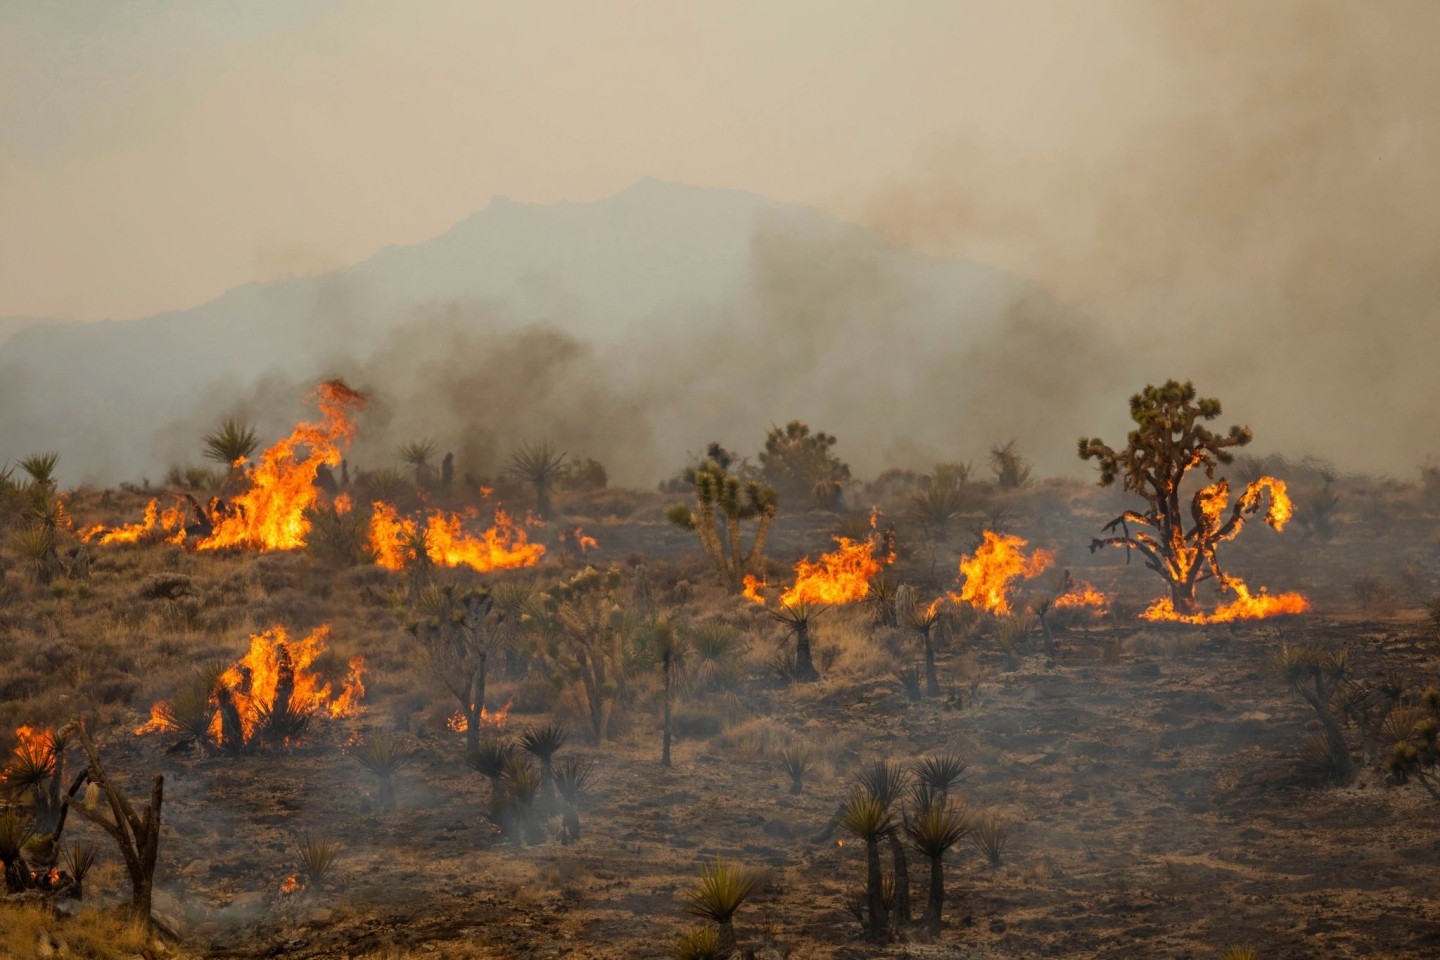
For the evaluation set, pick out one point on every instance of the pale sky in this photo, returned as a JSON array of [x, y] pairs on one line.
[[154, 154]]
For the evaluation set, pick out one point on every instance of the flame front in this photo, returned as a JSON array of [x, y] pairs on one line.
[[270, 514], [459, 723], [998, 560], [504, 546], [841, 576], [1085, 597], [167, 525], [1245, 606]]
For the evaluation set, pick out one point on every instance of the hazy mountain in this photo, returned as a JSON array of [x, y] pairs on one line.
[[632, 329]]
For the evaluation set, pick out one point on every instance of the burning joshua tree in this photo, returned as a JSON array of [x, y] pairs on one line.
[[1168, 442]]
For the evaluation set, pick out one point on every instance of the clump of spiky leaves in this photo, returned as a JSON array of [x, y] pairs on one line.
[[885, 780], [572, 779], [880, 595], [383, 755], [1010, 469], [990, 836], [922, 620], [715, 649], [231, 441], [909, 680], [724, 499], [701, 943], [1240, 953], [78, 859], [1316, 673], [417, 454], [542, 466], [490, 757], [933, 829], [35, 770], [1412, 735], [797, 618], [36, 545], [939, 772], [717, 893], [41, 468], [315, 859], [866, 816], [15, 832], [797, 760], [543, 743], [511, 808]]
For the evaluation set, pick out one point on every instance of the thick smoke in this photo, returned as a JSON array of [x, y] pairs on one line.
[[1254, 211]]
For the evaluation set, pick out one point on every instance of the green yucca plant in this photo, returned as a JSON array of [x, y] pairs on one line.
[[933, 831], [867, 816], [36, 544], [233, 440], [315, 859], [79, 858], [941, 771], [542, 466], [1240, 953], [989, 836], [884, 780], [718, 892], [702, 943], [797, 618], [572, 778], [15, 831], [797, 761], [41, 468], [383, 755]]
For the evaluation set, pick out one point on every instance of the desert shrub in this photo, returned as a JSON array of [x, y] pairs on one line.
[[801, 467]]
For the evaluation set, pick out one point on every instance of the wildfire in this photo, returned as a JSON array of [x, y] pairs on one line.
[[1082, 595], [270, 514], [841, 576], [34, 748], [504, 546], [167, 525], [998, 560], [582, 540], [1245, 606], [488, 720], [291, 884], [275, 678], [752, 587]]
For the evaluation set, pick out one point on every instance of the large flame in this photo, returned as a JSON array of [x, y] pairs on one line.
[[34, 747], [1245, 606], [275, 667], [167, 525], [997, 561], [503, 546], [841, 576], [270, 514]]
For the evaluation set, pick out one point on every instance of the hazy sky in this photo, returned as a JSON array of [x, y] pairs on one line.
[[153, 154]]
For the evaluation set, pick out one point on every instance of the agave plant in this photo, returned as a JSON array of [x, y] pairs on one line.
[[718, 892]]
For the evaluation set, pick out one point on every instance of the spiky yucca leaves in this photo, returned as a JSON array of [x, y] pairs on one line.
[[715, 647], [233, 440], [910, 680], [491, 756], [718, 892], [867, 817], [78, 859], [190, 712], [542, 466], [797, 617], [417, 454], [15, 831], [512, 807], [543, 743], [35, 769], [315, 858], [936, 508], [1316, 673], [36, 545], [383, 755], [1412, 736], [459, 629], [940, 772], [1010, 469], [41, 468], [702, 943], [1240, 953], [722, 498], [881, 594], [572, 778], [989, 836], [885, 780], [342, 539], [797, 761], [921, 619], [933, 830]]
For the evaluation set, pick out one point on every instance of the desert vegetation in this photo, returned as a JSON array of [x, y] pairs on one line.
[[429, 707]]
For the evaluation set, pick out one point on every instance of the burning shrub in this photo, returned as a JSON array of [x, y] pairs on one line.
[[269, 697], [1169, 441]]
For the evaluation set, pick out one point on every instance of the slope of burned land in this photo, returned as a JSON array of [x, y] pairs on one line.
[[1149, 776]]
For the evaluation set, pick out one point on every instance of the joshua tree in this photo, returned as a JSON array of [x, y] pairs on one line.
[[458, 630], [868, 818], [717, 894], [933, 830], [1011, 470], [921, 620], [721, 497], [797, 761], [572, 779], [797, 617], [800, 465], [1169, 441], [1316, 674], [541, 466], [232, 441], [583, 618], [543, 743], [383, 755], [669, 647], [417, 454]]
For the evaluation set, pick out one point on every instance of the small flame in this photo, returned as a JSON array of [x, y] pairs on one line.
[[752, 587], [343, 504], [291, 884], [270, 514], [997, 561], [1245, 606], [584, 541], [488, 720], [34, 746]]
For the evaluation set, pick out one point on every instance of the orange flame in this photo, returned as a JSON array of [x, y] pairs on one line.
[[1245, 606], [291, 884], [167, 525], [504, 546], [753, 586], [34, 746], [488, 720], [841, 576], [343, 504], [1083, 596], [270, 514], [584, 541], [997, 561], [252, 683]]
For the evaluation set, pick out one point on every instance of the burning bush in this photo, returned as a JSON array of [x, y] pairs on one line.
[[1169, 441], [269, 697]]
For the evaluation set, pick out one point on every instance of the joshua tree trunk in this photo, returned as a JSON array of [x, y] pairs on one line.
[[902, 880], [1319, 700], [874, 883], [932, 682], [473, 703], [935, 902], [727, 938], [804, 664], [570, 824], [669, 693]]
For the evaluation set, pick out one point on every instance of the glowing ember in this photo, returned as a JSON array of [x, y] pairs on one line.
[[504, 546], [167, 525], [841, 576], [1245, 606], [997, 561], [488, 720], [291, 884], [752, 588], [270, 514], [1085, 597], [275, 676]]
